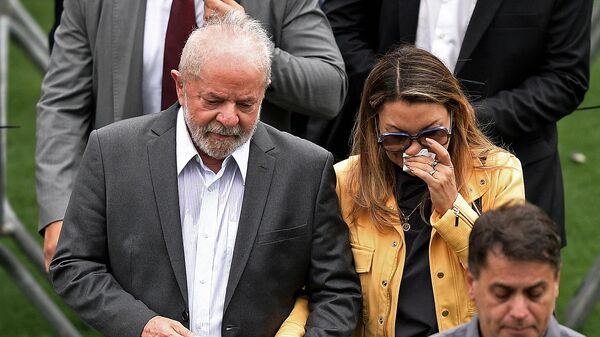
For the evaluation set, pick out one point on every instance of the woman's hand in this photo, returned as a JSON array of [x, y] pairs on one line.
[[438, 174]]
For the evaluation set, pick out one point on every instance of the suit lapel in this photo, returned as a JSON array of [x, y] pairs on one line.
[[127, 45], [261, 165], [408, 19], [163, 170], [482, 17]]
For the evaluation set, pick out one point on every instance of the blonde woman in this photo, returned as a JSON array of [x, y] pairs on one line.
[[420, 174]]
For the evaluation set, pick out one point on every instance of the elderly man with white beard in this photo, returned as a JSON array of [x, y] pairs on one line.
[[201, 220]]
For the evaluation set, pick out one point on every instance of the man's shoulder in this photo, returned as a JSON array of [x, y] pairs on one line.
[[459, 331], [287, 144], [469, 329], [555, 329], [136, 126], [567, 332]]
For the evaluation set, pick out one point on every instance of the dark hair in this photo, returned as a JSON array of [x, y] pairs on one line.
[[518, 231]]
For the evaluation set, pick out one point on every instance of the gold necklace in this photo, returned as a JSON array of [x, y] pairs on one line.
[[404, 219]]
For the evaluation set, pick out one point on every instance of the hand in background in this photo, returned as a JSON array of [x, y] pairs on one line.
[[51, 235], [220, 7]]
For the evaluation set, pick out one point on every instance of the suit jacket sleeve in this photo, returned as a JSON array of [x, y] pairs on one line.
[[332, 284], [557, 87], [79, 270], [308, 70], [64, 114]]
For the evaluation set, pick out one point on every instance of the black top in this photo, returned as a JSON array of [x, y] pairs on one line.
[[416, 309]]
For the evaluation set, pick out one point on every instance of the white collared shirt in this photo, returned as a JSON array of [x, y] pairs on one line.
[[155, 31], [442, 27], [209, 205]]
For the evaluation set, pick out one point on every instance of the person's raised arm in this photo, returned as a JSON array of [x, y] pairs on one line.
[[64, 114]]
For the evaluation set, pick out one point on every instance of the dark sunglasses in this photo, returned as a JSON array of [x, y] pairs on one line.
[[400, 141]]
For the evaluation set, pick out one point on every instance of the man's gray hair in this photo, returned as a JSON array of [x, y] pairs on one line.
[[233, 33]]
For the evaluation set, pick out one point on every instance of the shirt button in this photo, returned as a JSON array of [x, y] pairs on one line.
[[394, 244], [440, 275], [210, 188], [482, 182], [384, 283], [445, 313], [380, 320]]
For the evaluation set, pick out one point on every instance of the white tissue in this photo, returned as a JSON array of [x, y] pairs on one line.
[[422, 153]]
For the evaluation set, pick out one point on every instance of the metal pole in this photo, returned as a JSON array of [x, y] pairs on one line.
[[15, 228], [29, 34], [595, 33], [580, 307], [36, 294], [4, 44]]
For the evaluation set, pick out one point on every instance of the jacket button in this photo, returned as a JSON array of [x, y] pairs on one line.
[[185, 316], [445, 313], [384, 283], [440, 275]]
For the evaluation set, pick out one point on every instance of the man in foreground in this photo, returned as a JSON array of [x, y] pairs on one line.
[[201, 219], [513, 275]]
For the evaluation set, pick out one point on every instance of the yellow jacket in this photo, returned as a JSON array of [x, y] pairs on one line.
[[379, 255]]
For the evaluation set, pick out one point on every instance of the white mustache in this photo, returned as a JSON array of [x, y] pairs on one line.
[[218, 128]]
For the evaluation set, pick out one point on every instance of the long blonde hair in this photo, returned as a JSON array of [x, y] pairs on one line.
[[412, 75]]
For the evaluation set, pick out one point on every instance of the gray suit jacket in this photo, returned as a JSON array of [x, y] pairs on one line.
[[95, 78], [471, 329], [120, 259]]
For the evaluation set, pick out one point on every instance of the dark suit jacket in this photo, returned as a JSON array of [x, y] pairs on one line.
[[120, 258], [525, 64]]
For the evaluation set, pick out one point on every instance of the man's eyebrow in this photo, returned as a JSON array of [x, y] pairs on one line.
[[500, 285], [541, 283], [212, 94]]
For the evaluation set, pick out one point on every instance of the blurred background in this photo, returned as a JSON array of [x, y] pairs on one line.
[[579, 135]]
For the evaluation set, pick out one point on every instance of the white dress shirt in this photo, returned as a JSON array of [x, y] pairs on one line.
[[155, 31], [209, 205], [442, 27]]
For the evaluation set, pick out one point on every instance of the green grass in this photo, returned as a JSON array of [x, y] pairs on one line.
[[579, 133], [18, 317]]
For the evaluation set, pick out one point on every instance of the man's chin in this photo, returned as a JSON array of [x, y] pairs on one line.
[[219, 152], [519, 332]]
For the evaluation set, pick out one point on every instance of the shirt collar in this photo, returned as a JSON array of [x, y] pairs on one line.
[[186, 151]]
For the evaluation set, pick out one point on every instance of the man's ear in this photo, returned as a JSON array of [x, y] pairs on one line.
[[178, 86], [471, 283], [557, 284]]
